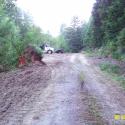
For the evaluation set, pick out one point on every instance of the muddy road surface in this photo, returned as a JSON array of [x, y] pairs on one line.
[[69, 90]]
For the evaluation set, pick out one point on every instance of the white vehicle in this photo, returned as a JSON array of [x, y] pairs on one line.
[[48, 49]]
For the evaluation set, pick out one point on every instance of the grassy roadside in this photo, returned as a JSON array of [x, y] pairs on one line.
[[104, 53], [90, 53], [115, 71]]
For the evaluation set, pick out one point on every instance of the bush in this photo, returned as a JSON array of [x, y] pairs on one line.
[[117, 55]]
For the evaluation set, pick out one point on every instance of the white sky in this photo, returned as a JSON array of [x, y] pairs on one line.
[[50, 14]]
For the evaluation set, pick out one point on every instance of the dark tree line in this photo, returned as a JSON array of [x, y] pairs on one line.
[[106, 28], [72, 35]]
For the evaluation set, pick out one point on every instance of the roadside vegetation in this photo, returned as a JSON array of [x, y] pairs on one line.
[[106, 29], [115, 72]]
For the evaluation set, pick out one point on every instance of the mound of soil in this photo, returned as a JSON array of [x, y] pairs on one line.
[[19, 89]]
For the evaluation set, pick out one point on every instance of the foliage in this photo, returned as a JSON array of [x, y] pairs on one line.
[[60, 43], [16, 32], [106, 28], [87, 35], [110, 68], [37, 49], [121, 40], [114, 71], [72, 36]]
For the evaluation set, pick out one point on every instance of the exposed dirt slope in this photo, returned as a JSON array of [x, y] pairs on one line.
[[19, 90]]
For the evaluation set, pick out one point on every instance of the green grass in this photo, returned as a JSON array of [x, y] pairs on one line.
[[103, 52], [89, 53], [110, 68], [93, 53], [114, 71]]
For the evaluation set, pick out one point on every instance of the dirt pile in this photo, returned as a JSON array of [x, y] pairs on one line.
[[19, 88]]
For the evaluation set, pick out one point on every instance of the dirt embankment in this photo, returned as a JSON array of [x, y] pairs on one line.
[[19, 90]]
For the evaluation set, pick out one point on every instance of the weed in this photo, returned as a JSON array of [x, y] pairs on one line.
[[110, 68], [114, 71], [94, 109], [81, 76], [82, 79]]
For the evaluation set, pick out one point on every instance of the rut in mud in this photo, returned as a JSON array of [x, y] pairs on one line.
[[67, 91]]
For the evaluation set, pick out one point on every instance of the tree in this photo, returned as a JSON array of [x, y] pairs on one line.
[[87, 35], [16, 32], [107, 26], [72, 35]]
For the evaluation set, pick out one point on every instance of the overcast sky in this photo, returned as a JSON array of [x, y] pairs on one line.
[[50, 14]]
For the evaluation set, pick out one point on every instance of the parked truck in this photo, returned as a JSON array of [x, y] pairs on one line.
[[47, 49]]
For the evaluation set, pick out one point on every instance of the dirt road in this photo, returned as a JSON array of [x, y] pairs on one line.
[[69, 90]]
